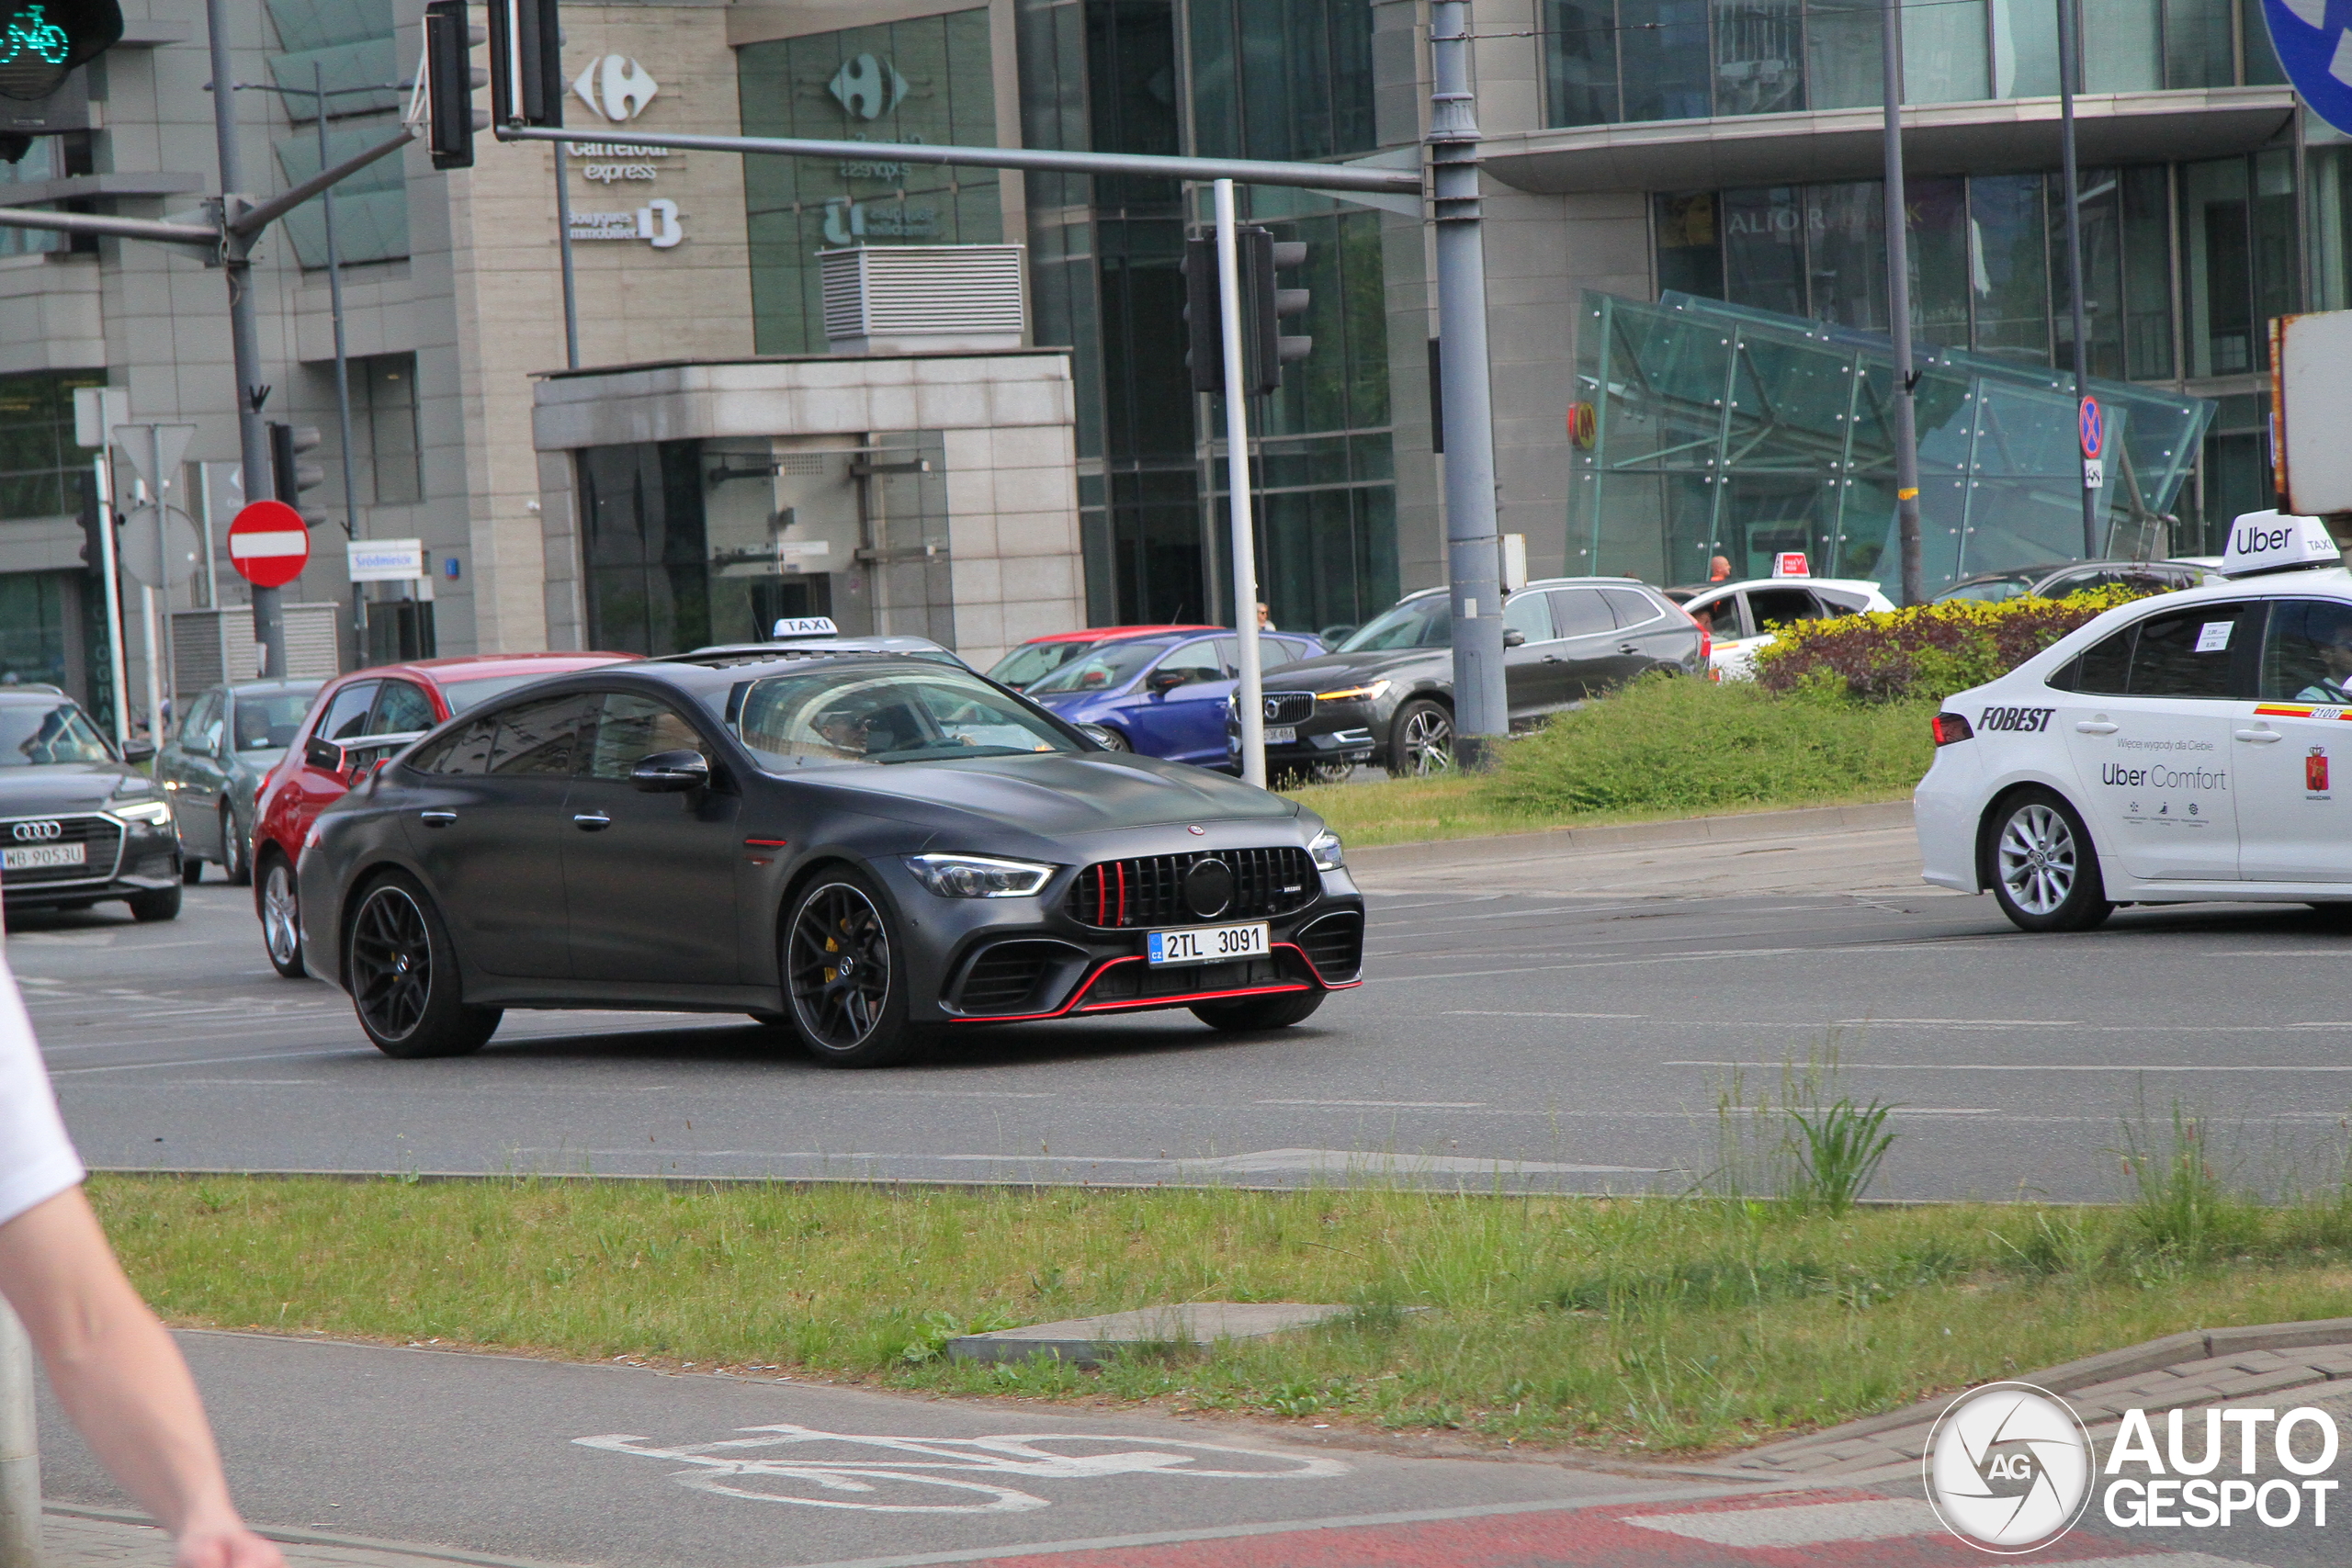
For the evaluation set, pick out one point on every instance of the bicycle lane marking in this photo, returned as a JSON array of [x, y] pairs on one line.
[[909, 1474]]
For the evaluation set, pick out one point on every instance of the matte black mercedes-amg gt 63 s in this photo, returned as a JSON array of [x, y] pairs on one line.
[[877, 850]]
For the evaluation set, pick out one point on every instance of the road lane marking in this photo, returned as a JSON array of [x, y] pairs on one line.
[[1385, 1104], [1806, 1524], [2049, 1068], [1496, 1013]]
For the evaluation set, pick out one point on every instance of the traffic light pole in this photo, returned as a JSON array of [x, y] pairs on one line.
[[244, 336], [1249, 704], [1472, 544]]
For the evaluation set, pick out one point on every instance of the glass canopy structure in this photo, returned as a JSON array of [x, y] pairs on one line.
[[1704, 429]]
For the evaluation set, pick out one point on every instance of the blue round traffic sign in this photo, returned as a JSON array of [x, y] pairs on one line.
[[2093, 428], [2310, 37]]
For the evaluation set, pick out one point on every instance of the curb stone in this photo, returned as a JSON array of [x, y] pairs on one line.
[[79, 1537], [1740, 827]]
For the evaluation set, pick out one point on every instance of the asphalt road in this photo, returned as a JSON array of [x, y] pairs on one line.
[[1565, 1021]]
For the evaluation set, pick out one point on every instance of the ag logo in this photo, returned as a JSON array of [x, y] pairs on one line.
[[868, 86], [2008, 1468], [616, 87]]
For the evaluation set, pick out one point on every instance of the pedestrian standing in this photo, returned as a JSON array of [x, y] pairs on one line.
[[111, 1361]]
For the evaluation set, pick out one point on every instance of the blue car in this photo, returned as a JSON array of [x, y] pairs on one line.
[[1163, 695]]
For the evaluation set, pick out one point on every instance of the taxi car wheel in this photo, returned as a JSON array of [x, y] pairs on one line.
[[843, 973], [162, 904], [281, 920], [1423, 742], [402, 973], [1260, 1012], [2045, 872], [236, 863]]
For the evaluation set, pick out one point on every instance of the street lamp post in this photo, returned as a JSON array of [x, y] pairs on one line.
[[1898, 310]]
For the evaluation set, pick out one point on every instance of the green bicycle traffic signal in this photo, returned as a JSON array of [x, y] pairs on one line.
[[41, 41]]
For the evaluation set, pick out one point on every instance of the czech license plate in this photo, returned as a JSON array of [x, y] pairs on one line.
[[1206, 944], [36, 857], [1282, 735]]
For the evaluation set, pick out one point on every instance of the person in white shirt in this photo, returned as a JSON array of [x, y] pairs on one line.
[[111, 1361]]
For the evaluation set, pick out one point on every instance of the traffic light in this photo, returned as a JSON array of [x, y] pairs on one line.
[[451, 76], [41, 41], [1264, 308], [289, 477], [525, 63], [1204, 339]]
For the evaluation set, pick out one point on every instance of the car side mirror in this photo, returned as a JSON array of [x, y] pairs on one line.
[[138, 751], [322, 754], [1514, 637], [669, 773], [1162, 682]]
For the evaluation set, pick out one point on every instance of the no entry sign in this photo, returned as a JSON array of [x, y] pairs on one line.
[[268, 544]]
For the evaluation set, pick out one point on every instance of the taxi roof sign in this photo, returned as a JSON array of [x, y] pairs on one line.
[[2276, 541], [1791, 563], [804, 625]]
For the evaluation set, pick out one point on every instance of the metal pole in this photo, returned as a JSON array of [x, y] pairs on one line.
[[1473, 550], [1250, 703], [211, 567], [114, 597], [1898, 294], [244, 336], [19, 1448], [342, 372], [2067, 55], [149, 615], [564, 243], [162, 650]]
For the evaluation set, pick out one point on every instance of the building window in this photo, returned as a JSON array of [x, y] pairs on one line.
[[1647, 60], [342, 45], [41, 471], [384, 427], [642, 544], [1281, 78]]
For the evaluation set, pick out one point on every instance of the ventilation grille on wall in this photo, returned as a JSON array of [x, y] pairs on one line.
[[896, 291]]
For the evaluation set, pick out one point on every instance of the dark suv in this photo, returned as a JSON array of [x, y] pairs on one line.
[[1386, 695], [78, 824]]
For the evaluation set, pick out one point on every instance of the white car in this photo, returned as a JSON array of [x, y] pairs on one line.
[[2175, 748], [1736, 614]]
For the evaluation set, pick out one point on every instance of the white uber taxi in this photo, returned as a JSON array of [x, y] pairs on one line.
[[2175, 748], [1742, 618]]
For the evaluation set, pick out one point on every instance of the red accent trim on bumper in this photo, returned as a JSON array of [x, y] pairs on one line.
[[1077, 997]]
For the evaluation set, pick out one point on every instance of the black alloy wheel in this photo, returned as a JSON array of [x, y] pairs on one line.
[[2045, 873], [402, 974], [1110, 738], [236, 859], [841, 975], [1422, 740], [281, 920], [1251, 1014]]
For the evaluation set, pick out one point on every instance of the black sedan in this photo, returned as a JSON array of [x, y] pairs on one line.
[[1386, 694], [874, 851], [78, 824]]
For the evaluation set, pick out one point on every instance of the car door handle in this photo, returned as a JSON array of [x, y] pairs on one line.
[[1553, 659], [437, 818], [2260, 737], [2096, 727], [1627, 648], [590, 821]]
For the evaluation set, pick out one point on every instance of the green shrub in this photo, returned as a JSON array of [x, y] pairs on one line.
[[1668, 744], [1925, 653]]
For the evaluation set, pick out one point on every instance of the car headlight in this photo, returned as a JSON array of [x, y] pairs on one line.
[[1368, 692], [1325, 851], [155, 813], [979, 876]]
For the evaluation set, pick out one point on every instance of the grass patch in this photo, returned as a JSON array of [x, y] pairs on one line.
[[1660, 749], [1658, 1325]]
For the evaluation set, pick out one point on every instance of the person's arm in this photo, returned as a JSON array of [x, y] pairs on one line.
[[122, 1380]]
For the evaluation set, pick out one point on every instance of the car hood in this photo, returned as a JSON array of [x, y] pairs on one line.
[[1056, 796], [1332, 670], [59, 786], [1065, 702]]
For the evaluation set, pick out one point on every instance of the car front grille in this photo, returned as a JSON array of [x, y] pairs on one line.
[[1334, 945], [1128, 985], [103, 835], [1289, 707], [1150, 889]]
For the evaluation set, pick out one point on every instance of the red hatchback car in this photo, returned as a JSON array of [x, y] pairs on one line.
[[357, 720], [1031, 662]]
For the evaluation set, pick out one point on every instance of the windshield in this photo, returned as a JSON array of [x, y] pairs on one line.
[[463, 695], [1032, 659], [1104, 669], [30, 736], [267, 720], [1416, 623], [1993, 590], [898, 714]]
